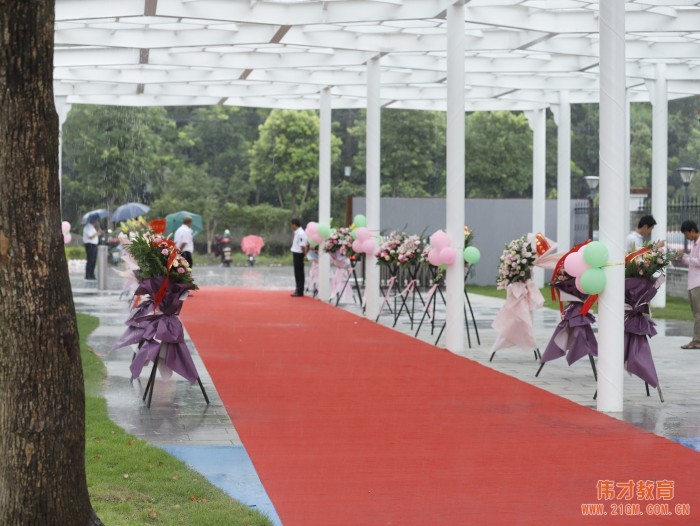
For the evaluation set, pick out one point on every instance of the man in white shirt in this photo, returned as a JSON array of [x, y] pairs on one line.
[[91, 237], [183, 239], [299, 246], [635, 239]]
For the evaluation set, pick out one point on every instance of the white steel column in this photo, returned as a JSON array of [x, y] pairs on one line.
[[538, 123], [373, 180], [613, 106], [324, 189], [454, 295], [628, 160], [62, 109], [564, 172], [659, 166]]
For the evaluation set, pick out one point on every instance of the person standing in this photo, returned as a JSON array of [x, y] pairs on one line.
[[299, 246], [183, 239], [635, 239], [91, 237], [690, 231]]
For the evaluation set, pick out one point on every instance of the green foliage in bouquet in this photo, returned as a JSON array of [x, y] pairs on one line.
[[158, 256]]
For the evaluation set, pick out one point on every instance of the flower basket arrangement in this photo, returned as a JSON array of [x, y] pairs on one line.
[[644, 274], [649, 262], [340, 242], [516, 262], [387, 253], [164, 278], [158, 256], [409, 251]]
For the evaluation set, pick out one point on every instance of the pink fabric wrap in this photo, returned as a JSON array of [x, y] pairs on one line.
[[514, 321]]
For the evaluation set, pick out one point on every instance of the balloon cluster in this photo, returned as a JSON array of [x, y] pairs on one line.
[[363, 244], [65, 228], [586, 266], [317, 232], [441, 253]]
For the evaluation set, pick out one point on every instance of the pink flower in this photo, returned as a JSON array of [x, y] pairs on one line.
[[165, 252], [181, 270]]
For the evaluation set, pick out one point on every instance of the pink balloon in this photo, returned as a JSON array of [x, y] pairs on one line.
[[67, 238], [311, 228], [575, 265], [434, 257], [448, 255], [439, 240], [362, 233], [316, 237], [357, 245], [369, 246], [578, 284], [65, 227]]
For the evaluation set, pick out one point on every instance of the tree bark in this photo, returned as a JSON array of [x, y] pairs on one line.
[[42, 406]]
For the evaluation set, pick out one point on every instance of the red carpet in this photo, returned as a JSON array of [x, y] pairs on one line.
[[350, 423]]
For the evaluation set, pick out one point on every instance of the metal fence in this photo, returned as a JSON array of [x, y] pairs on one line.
[[676, 213]]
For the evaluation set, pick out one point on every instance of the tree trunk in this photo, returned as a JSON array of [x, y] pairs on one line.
[[42, 406]]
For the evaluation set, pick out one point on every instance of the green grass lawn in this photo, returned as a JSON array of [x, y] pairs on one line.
[[132, 482], [676, 308]]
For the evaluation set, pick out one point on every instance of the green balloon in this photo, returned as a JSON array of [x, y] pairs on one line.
[[353, 233], [593, 281], [312, 243], [595, 254], [323, 230], [360, 221], [472, 255]]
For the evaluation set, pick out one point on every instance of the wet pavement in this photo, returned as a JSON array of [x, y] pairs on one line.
[[204, 437]]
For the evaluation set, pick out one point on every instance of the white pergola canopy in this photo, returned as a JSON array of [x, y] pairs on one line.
[[446, 55], [281, 53]]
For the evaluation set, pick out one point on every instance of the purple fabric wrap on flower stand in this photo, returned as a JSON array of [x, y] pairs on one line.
[[639, 328], [574, 335], [150, 329]]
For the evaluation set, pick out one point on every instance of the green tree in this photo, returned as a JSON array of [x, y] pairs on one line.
[[498, 155], [113, 155], [412, 152], [285, 157]]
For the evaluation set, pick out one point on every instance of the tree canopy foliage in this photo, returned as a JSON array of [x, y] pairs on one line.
[[233, 165]]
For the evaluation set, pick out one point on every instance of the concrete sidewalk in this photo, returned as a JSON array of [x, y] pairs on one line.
[[204, 437]]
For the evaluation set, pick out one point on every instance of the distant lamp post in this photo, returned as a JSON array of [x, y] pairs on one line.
[[686, 174], [592, 183]]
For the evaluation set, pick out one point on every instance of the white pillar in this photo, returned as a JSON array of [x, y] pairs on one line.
[[628, 160], [659, 166], [324, 188], [563, 172], [373, 180], [538, 123], [62, 109], [613, 107], [454, 294]]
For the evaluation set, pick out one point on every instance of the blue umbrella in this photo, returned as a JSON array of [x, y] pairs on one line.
[[100, 212], [129, 211]]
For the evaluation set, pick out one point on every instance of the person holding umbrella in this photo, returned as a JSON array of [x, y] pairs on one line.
[[91, 237], [183, 239]]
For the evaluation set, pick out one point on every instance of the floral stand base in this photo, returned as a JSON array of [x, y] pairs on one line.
[[573, 337], [159, 335], [513, 322]]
